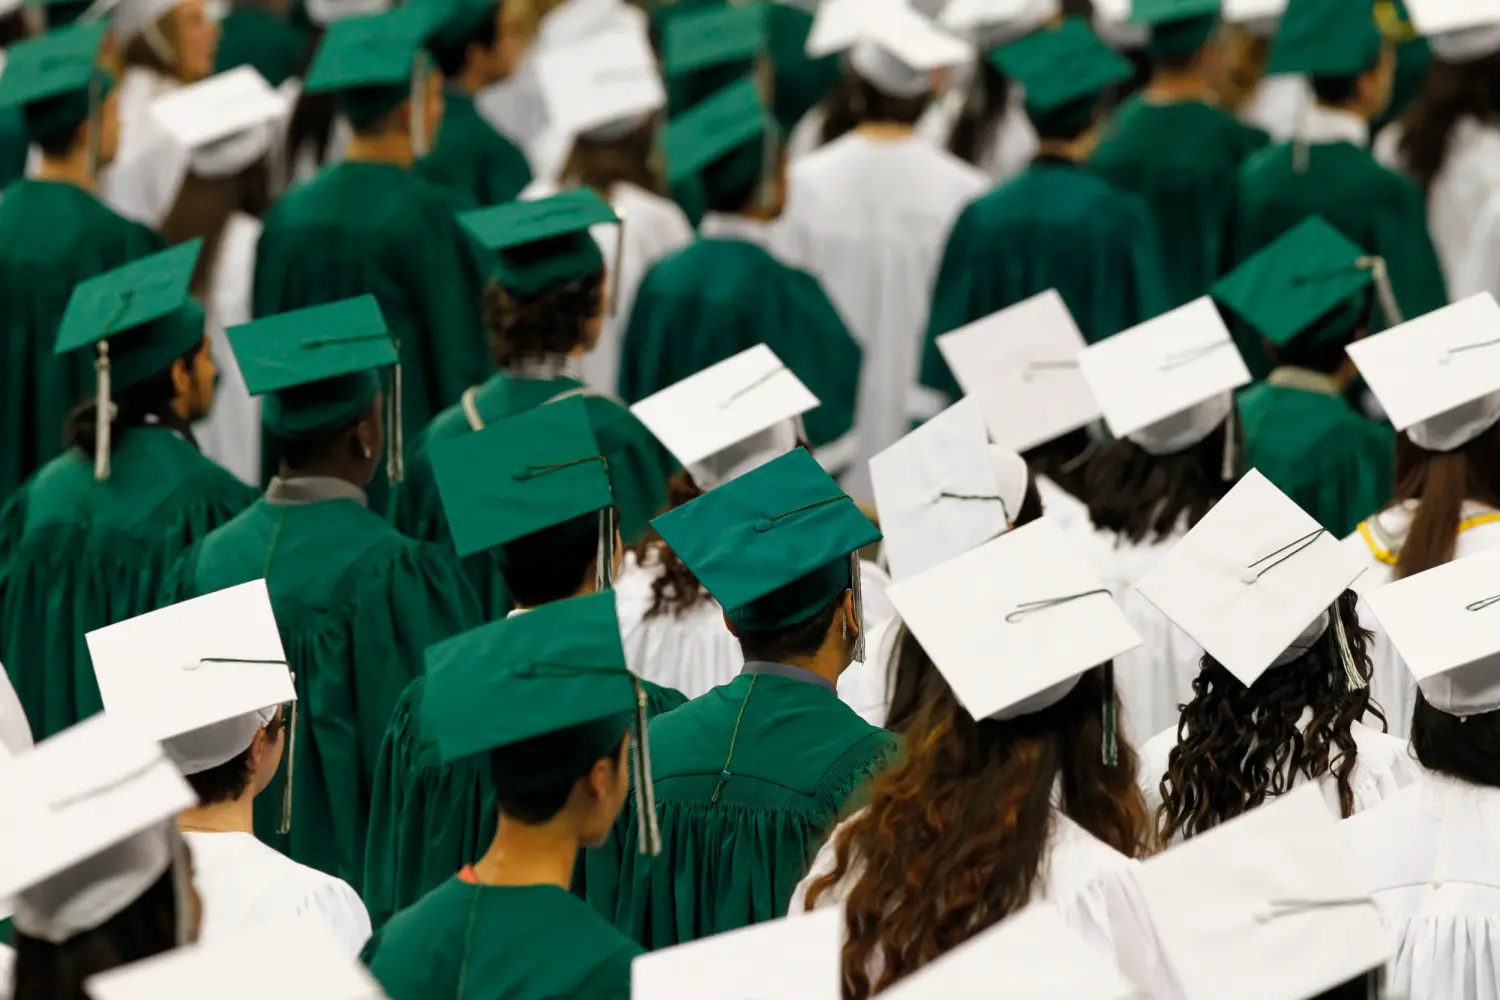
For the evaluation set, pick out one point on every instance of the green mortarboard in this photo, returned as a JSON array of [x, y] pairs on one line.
[[368, 62], [1178, 27], [49, 79], [542, 245], [1310, 275], [521, 475], [773, 546], [1326, 38], [449, 24], [733, 121], [58, 14], [316, 366], [706, 38], [1061, 66]]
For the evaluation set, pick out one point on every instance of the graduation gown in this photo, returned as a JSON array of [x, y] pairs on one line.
[[528, 942], [720, 296], [471, 157], [52, 236], [253, 36], [1337, 464], [1057, 225], [638, 467], [691, 651], [231, 433], [77, 555], [749, 779], [1182, 159], [357, 604]]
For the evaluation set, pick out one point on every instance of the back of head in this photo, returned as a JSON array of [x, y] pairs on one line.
[[1320, 347], [551, 564], [857, 102], [533, 779], [203, 208], [551, 325], [1442, 482], [1462, 747], [601, 163], [1145, 498]]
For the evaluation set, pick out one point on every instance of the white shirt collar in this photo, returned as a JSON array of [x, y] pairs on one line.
[[1321, 125]]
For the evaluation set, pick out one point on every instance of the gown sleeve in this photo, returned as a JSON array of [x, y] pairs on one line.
[[1402, 238], [1109, 912]]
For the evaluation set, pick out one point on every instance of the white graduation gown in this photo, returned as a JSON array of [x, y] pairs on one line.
[[146, 175], [7, 970], [1432, 860], [1278, 105], [1378, 541], [866, 687], [230, 435], [872, 217], [245, 885], [693, 652], [15, 731], [1012, 143]]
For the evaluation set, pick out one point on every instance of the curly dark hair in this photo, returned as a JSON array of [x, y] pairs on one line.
[[1143, 497], [533, 328], [675, 591], [955, 836], [1239, 746]]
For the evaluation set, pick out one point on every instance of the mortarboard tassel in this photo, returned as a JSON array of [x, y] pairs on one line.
[[103, 413], [1231, 464], [857, 589], [647, 827], [770, 145], [1341, 637], [395, 444], [614, 278], [285, 826], [1383, 290], [418, 108], [604, 569], [182, 891], [1111, 748]]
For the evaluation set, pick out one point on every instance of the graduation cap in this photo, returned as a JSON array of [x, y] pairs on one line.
[[323, 13], [1253, 581], [728, 139], [775, 546], [549, 689], [1258, 17], [543, 245], [807, 965], [56, 80], [1268, 906], [1064, 69], [1022, 364], [1014, 624], [139, 318], [1458, 31], [890, 45], [374, 63], [601, 87], [89, 826], [938, 492], [1178, 27], [1168, 383], [1326, 38], [995, 22], [715, 36], [451, 23], [130, 18]]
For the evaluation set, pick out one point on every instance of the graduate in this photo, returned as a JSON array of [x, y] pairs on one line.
[[1284, 684], [530, 495], [1015, 786], [93, 862], [89, 539], [727, 292], [870, 212], [1447, 498], [1171, 145], [1057, 225], [470, 156], [262, 34], [1425, 852], [54, 233], [208, 677], [543, 703], [356, 601], [806, 947], [1305, 298], [543, 310], [1327, 168], [752, 775]]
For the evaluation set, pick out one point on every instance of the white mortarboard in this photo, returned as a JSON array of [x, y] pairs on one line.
[[890, 45], [1042, 957], [202, 676], [936, 492], [1268, 906], [729, 418], [309, 964], [1458, 31], [1438, 376], [838, 24], [1021, 363], [1251, 582], [1259, 17], [1112, 22], [1168, 383], [89, 826], [998, 21], [602, 86], [1445, 623], [794, 958], [227, 121], [128, 18], [325, 12], [1013, 624]]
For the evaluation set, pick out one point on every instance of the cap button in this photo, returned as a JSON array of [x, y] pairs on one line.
[[764, 525], [1248, 575]]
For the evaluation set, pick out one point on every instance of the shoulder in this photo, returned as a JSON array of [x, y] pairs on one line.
[[1384, 764], [1078, 863], [634, 202]]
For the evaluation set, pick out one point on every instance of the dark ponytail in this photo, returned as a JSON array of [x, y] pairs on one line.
[[1441, 481], [148, 401], [989, 96]]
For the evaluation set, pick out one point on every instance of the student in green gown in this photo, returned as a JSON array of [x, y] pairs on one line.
[[541, 533], [543, 705], [256, 33], [356, 600], [1328, 169], [727, 292], [1309, 296], [87, 540], [1172, 145], [1059, 224], [751, 776], [543, 311], [54, 233], [470, 155]]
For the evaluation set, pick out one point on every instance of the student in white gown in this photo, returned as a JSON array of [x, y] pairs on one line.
[[209, 678], [1428, 853], [870, 214], [1283, 695], [1014, 787]]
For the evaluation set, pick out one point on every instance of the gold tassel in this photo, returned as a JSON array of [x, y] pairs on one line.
[[103, 413], [418, 108]]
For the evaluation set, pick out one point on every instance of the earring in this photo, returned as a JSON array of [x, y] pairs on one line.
[[365, 450]]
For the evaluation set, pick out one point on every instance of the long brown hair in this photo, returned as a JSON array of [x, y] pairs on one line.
[[1238, 746], [955, 835], [203, 208], [1448, 94], [600, 165], [675, 591], [1441, 481]]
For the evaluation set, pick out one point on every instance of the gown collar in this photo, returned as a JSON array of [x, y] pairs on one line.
[[738, 227], [313, 489], [788, 671], [1322, 124], [548, 368], [1291, 377]]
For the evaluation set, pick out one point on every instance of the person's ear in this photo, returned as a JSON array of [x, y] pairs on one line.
[[362, 441], [851, 620], [182, 379], [730, 626]]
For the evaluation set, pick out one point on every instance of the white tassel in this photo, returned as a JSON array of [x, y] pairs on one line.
[[418, 109], [103, 413], [1351, 673], [1383, 290], [604, 568], [1231, 454], [395, 443]]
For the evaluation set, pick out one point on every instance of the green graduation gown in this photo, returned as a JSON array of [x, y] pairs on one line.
[[487, 942], [1056, 225], [638, 468], [77, 555], [429, 819], [1337, 464], [472, 158], [1182, 159], [713, 299], [749, 779], [357, 604], [253, 36], [52, 236]]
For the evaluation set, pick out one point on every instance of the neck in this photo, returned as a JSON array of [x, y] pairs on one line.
[[1072, 150], [829, 662], [393, 148], [470, 80], [885, 131], [1169, 86], [236, 816], [70, 170], [322, 470], [529, 855]]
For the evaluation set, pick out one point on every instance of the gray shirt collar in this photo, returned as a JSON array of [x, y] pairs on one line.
[[313, 489], [788, 671]]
